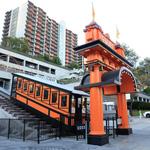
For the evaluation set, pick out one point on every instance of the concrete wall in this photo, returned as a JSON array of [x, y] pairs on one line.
[[6, 75], [59, 71]]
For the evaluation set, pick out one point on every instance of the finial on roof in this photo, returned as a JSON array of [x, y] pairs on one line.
[[93, 13], [117, 33]]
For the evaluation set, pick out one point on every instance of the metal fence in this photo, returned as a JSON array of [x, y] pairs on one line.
[[110, 127], [38, 130], [27, 129]]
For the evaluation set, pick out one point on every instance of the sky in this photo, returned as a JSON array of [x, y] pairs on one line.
[[132, 17]]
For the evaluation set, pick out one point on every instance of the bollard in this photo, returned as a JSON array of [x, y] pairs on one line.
[[8, 128], [108, 125], [77, 138], [86, 131], [113, 127], [38, 132], [24, 129]]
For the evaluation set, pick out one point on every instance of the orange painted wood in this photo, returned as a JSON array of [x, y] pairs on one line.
[[110, 90], [44, 104], [122, 110], [38, 107], [54, 115], [21, 99], [96, 104]]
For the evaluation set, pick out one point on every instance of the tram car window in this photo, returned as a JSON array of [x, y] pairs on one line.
[[63, 101], [54, 97], [31, 88], [25, 87], [38, 90], [45, 94], [19, 84]]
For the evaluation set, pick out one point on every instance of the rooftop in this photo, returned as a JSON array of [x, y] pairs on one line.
[[102, 44], [69, 88], [33, 57]]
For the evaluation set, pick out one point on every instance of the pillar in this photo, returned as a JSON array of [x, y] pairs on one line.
[[124, 128], [97, 135]]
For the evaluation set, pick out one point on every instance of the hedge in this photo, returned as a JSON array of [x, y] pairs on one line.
[[139, 105]]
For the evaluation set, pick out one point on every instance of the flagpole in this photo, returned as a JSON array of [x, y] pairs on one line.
[[117, 33], [93, 12]]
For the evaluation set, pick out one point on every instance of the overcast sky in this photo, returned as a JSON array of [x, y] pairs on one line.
[[131, 16]]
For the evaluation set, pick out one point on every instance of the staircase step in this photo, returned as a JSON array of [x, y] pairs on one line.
[[8, 105], [46, 126], [43, 131], [27, 117], [13, 111], [48, 136], [32, 121], [9, 109], [19, 113]]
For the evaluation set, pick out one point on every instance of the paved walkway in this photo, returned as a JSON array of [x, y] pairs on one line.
[[139, 140]]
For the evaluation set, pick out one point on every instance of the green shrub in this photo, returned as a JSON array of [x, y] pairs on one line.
[[139, 105]]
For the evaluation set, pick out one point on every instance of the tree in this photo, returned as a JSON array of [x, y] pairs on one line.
[[147, 90], [7, 42], [143, 72], [73, 65], [24, 46], [19, 44], [56, 60], [130, 54], [46, 57]]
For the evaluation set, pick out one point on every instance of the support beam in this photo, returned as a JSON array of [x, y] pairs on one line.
[[124, 128], [97, 134]]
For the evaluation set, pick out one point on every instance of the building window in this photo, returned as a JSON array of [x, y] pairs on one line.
[[38, 90], [19, 84], [53, 71], [46, 94], [1, 83], [31, 88], [54, 97], [105, 107], [63, 101], [25, 86]]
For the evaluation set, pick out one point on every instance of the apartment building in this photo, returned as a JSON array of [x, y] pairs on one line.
[[44, 35], [71, 41]]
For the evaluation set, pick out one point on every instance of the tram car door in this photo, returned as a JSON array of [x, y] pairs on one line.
[[78, 114]]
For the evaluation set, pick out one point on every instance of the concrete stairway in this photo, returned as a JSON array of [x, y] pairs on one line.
[[32, 120]]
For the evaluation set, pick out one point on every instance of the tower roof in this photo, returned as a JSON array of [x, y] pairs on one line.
[[93, 24]]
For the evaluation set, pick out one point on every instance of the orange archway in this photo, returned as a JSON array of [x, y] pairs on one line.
[[109, 74], [113, 82]]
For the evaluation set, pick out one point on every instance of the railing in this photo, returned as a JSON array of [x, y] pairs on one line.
[[37, 130], [110, 127], [27, 129]]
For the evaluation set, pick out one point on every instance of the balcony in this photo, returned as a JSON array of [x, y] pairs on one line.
[[43, 68], [53, 71], [31, 65], [15, 60]]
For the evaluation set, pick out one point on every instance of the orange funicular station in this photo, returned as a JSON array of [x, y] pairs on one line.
[[109, 74]]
